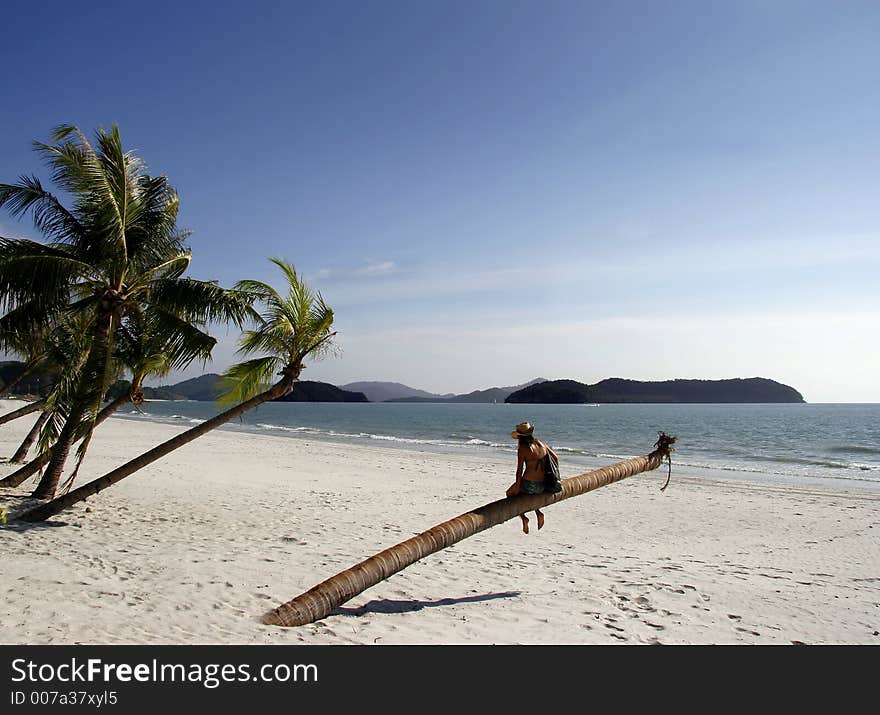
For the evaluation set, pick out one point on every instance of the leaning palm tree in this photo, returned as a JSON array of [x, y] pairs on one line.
[[321, 600], [29, 343], [118, 247], [24, 411], [289, 330], [65, 350], [48, 435], [145, 350], [21, 453]]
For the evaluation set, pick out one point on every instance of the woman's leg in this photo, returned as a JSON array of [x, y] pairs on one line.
[[525, 521], [540, 518]]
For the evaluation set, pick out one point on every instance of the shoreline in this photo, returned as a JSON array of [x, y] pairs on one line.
[[578, 459], [196, 547]]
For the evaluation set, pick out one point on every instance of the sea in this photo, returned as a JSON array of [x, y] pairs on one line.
[[831, 445]]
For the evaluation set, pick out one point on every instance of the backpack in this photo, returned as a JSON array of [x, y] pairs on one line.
[[552, 480]]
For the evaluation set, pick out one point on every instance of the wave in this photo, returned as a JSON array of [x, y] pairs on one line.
[[839, 462], [453, 440], [282, 428], [843, 475], [808, 461], [857, 448]]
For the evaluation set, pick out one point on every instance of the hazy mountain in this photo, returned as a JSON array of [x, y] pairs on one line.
[[387, 391], [617, 390], [492, 394], [206, 388], [203, 388]]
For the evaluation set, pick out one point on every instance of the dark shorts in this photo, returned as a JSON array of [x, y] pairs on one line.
[[527, 486]]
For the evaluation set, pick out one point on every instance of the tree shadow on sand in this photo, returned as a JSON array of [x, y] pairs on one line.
[[390, 605], [16, 504]]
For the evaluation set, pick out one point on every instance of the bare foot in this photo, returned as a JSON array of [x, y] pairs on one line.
[[540, 520], [525, 521]]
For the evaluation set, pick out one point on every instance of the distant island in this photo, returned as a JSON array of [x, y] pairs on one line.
[[207, 387], [204, 388], [613, 390], [616, 390]]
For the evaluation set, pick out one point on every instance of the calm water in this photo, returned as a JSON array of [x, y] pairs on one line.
[[829, 444]]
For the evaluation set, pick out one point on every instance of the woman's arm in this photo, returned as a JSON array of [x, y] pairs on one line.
[[514, 488]]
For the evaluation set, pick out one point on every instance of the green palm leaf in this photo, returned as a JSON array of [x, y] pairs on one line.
[[115, 252]]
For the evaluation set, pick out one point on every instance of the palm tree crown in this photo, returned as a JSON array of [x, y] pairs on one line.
[[116, 250], [287, 330]]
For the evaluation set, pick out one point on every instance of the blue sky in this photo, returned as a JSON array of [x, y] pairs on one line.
[[488, 192]]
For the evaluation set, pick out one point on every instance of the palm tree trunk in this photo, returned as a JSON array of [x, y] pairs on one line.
[[321, 600], [55, 506], [28, 442], [21, 412], [35, 465], [58, 455], [20, 475], [101, 336]]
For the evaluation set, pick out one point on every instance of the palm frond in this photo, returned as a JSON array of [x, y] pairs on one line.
[[178, 340], [201, 301], [269, 337], [168, 267], [152, 230], [36, 273], [23, 330], [247, 379], [292, 327], [49, 216], [258, 291]]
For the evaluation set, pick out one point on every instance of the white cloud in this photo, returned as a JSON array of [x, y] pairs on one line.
[[376, 269], [371, 269]]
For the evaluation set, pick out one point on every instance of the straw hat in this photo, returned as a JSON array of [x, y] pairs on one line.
[[523, 429]]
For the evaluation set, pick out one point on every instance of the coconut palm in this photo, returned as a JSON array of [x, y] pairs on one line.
[[64, 352], [321, 600], [26, 340], [118, 247], [61, 352], [28, 409], [47, 438], [289, 330], [67, 347], [145, 350], [21, 453]]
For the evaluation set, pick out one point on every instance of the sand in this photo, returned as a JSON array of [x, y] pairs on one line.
[[196, 547]]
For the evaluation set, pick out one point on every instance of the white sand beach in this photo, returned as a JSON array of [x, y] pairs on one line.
[[196, 547]]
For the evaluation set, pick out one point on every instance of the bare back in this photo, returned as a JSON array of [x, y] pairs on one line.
[[529, 461]]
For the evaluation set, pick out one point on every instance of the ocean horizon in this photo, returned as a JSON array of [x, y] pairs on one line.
[[806, 444]]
